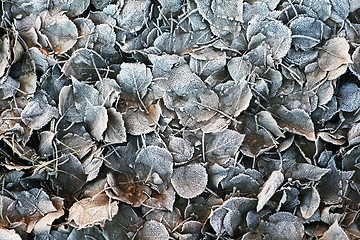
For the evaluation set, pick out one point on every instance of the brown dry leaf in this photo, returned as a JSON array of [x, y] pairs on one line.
[[127, 189], [335, 232], [295, 121], [43, 226], [137, 121], [92, 211], [333, 54]]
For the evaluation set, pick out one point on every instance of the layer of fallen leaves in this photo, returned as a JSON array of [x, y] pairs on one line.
[[180, 119]]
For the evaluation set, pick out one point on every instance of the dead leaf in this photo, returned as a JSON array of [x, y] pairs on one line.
[[310, 202], [189, 181], [125, 188], [152, 230], [269, 188], [335, 232], [92, 211], [333, 54], [296, 121], [284, 226]]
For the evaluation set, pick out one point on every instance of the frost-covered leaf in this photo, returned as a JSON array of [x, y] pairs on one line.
[[85, 31], [333, 54], [83, 64], [86, 233], [335, 232], [321, 7], [115, 131], [46, 143], [73, 8], [231, 10], [284, 226], [62, 34], [123, 187], [257, 139], [134, 78], [239, 68], [152, 230], [133, 15], [310, 202], [85, 96], [269, 188], [90, 211], [109, 90], [223, 144], [266, 120], [306, 171], [38, 112], [349, 97], [71, 176], [43, 226], [339, 10], [8, 87], [74, 144], [166, 198], [124, 222], [5, 54], [207, 61], [67, 107], [181, 149], [277, 36], [234, 97], [355, 66], [190, 98], [33, 203], [96, 120], [156, 159], [190, 180], [9, 234], [307, 32], [181, 43], [334, 185], [230, 216], [92, 164], [296, 121], [100, 4]]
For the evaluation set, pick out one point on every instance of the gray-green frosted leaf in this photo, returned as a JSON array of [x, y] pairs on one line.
[[307, 32], [310, 202], [134, 78], [133, 15], [190, 180], [349, 97], [62, 34], [234, 97], [83, 63], [152, 230], [222, 144], [284, 226], [115, 131], [269, 188], [157, 159]]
